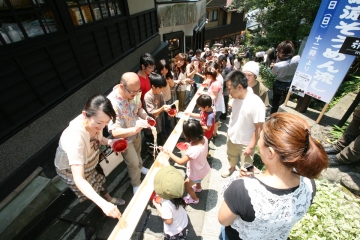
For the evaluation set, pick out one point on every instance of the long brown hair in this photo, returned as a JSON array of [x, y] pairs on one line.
[[178, 70], [291, 139]]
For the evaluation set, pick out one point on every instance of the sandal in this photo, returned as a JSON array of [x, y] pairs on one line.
[[117, 201], [188, 199], [196, 189]]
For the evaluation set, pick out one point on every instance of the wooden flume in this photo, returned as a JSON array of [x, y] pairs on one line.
[[132, 214]]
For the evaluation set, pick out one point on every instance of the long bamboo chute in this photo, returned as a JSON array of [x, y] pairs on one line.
[[132, 214]]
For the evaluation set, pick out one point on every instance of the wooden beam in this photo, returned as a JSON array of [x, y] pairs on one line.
[[17, 190], [132, 214]]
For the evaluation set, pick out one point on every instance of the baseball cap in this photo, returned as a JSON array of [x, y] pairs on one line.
[[169, 183]]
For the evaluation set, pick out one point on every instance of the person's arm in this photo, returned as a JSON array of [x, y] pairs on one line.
[[160, 211], [120, 132], [225, 216], [170, 81], [142, 113], [256, 135], [178, 160], [85, 188], [189, 73], [195, 115]]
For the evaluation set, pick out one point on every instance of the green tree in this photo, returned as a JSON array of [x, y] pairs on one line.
[[280, 19]]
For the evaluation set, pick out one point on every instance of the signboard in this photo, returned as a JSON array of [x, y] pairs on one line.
[[322, 67], [351, 46]]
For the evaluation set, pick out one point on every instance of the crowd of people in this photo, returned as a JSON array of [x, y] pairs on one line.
[[263, 208]]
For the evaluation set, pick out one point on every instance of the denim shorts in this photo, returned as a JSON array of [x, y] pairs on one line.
[[196, 181]]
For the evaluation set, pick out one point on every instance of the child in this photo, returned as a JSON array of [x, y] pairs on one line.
[[207, 115], [168, 184], [195, 157], [154, 105]]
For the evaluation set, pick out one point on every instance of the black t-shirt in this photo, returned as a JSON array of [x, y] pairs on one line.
[[237, 198]]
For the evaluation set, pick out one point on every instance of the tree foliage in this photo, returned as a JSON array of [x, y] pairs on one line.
[[280, 19]]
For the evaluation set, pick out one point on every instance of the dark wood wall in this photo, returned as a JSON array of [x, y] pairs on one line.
[[38, 73]]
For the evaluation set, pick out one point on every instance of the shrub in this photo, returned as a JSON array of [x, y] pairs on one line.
[[334, 214]]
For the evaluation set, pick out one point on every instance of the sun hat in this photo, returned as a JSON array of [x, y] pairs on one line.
[[169, 183], [252, 67]]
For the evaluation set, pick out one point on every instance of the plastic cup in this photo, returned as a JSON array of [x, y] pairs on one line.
[[172, 112], [120, 145], [151, 122]]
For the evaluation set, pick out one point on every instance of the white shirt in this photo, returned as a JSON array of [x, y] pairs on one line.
[[179, 216], [237, 64], [245, 113]]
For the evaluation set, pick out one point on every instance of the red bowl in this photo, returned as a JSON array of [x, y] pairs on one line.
[[153, 196], [120, 145], [182, 146], [172, 112], [204, 84], [151, 122]]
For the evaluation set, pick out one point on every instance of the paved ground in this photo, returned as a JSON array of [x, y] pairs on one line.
[[66, 218]]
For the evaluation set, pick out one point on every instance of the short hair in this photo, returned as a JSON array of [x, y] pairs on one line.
[[204, 100], [198, 51], [157, 80], [222, 58], [161, 65], [146, 59], [192, 130], [99, 103], [236, 78], [286, 48]]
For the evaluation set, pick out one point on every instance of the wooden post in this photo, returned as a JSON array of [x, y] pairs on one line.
[[131, 216], [287, 98], [322, 113]]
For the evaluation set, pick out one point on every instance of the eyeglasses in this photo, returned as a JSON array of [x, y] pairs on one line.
[[133, 92], [150, 67]]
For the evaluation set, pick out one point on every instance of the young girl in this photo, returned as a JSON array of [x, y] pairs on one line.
[[168, 184], [195, 157], [216, 91]]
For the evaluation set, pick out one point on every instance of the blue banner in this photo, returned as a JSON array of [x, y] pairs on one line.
[[322, 68]]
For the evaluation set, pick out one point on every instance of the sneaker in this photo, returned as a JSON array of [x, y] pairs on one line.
[[135, 189], [144, 170], [227, 173]]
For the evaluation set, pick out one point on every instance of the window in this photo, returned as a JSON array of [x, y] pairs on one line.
[[213, 15], [86, 11], [24, 19]]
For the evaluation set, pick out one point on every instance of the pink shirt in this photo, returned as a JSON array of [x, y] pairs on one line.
[[197, 166]]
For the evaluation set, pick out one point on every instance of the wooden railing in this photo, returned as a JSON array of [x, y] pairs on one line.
[[132, 214]]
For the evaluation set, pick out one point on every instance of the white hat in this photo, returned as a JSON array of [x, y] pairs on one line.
[[252, 67]]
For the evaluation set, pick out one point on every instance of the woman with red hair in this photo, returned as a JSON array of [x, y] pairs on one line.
[[267, 205]]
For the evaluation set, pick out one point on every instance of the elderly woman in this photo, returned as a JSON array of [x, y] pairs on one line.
[[268, 205], [77, 156]]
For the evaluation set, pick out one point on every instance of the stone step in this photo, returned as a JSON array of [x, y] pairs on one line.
[[26, 206]]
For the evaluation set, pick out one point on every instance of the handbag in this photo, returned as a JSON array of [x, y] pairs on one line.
[[109, 160]]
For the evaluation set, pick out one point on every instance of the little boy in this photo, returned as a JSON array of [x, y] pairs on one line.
[[207, 116], [154, 106]]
